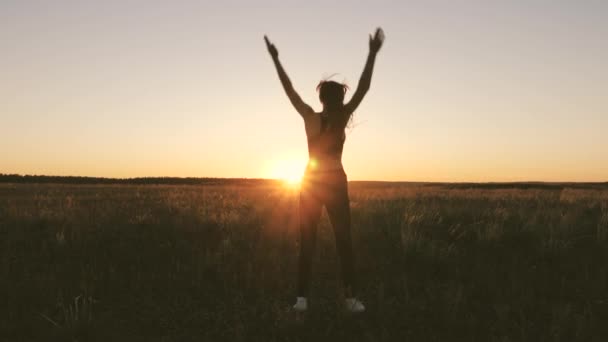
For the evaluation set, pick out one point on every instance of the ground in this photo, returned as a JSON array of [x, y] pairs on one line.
[[217, 263]]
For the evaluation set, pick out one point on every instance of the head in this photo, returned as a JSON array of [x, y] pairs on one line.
[[331, 94]]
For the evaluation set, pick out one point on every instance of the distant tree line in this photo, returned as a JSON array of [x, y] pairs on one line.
[[528, 185], [15, 178], [488, 185]]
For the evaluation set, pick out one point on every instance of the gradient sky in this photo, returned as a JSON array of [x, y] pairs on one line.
[[462, 90]]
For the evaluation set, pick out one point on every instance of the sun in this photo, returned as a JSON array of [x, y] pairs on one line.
[[289, 171]]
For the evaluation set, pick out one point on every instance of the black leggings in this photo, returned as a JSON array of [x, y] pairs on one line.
[[330, 189]]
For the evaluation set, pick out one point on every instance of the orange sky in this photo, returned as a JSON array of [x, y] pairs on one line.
[[466, 91]]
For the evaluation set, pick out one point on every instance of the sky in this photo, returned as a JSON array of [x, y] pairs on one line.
[[462, 90]]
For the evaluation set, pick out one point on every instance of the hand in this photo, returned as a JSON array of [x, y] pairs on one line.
[[375, 42], [271, 48]]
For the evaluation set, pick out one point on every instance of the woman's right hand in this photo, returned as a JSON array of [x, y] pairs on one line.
[[271, 48], [375, 42]]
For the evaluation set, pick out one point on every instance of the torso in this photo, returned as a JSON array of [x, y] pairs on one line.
[[325, 142]]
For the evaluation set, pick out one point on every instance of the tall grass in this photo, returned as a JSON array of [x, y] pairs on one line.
[[217, 263]]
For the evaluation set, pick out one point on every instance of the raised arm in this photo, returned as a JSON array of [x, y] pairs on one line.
[[375, 43], [295, 99]]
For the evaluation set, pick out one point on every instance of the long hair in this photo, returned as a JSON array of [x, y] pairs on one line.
[[331, 93]]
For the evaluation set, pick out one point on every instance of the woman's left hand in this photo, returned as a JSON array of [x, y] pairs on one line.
[[271, 48]]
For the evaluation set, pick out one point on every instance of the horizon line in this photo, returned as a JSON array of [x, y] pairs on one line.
[[6, 175]]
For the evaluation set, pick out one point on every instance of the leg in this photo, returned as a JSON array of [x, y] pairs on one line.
[[338, 209], [310, 212]]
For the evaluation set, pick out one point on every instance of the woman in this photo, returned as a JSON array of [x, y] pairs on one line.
[[325, 182]]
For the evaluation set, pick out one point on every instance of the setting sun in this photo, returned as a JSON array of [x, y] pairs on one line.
[[288, 170]]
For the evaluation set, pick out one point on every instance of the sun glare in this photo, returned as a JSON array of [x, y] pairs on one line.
[[289, 171]]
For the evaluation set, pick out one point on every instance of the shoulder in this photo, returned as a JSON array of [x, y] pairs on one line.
[[344, 116], [312, 123], [305, 111], [311, 116]]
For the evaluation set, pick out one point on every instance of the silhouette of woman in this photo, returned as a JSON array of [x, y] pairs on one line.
[[325, 182]]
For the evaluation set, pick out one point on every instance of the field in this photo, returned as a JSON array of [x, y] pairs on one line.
[[217, 263]]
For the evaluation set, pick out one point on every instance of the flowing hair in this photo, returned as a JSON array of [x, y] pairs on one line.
[[331, 94]]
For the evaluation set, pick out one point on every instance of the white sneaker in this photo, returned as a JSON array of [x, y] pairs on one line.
[[301, 304], [353, 305]]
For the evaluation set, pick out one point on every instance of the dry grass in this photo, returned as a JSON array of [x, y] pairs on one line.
[[217, 263]]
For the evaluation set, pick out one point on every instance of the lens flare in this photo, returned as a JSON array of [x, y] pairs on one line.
[[290, 171]]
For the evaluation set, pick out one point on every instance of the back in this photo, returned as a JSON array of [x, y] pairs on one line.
[[325, 136]]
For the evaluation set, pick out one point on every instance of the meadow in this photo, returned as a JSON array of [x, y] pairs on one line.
[[217, 263]]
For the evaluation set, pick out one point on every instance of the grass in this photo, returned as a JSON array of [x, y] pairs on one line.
[[217, 263]]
